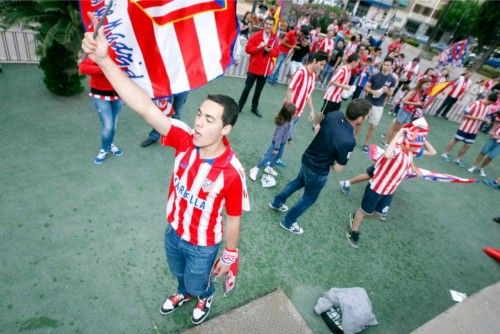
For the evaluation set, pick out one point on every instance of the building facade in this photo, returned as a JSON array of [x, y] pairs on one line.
[[413, 16]]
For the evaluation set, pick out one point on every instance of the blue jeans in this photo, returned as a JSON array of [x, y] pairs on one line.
[[177, 104], [295, 120], [327, 72], [271, 158], [190, 264], [108, 112], [273, 78], [312, 184]]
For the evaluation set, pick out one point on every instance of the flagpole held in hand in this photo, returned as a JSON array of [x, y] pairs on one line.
[[99, 25]]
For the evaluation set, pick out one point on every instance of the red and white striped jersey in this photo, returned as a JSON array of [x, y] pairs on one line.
[[302, 86], [200, 188], [350, 48], [389, 173], [326, 45], [459, 87], [476, 109], [409, 70], [341, 76]]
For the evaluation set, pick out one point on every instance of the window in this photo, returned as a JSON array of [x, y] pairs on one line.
[[418, 9], [427, 11], [412, 26]]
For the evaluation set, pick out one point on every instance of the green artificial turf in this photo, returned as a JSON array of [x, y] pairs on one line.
[[82, 245]]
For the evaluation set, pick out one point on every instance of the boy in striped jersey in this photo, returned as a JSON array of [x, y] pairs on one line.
[[475, 114], [207, 179], [338, 83], [386, 175]]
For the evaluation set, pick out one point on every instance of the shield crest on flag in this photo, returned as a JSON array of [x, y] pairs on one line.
[[169, 11]]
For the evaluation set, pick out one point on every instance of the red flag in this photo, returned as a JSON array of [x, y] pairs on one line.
[[168, 47]]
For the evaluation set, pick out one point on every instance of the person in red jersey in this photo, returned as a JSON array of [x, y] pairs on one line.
[[387, 173], [262, 47], [476, 114], [207, 179]]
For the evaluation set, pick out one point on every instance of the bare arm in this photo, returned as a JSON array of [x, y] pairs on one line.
[[389, 151], [232, 236], [429, 149], [338, 168]]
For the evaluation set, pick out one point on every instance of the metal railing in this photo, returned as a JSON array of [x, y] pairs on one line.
[[18, 46]]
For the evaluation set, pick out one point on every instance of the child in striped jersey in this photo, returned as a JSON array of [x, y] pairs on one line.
[[280, 138], [388, 172], [475, 114]]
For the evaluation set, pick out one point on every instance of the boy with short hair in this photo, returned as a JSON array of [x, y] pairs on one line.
[[207, 179], [386, 175], [475, 115]]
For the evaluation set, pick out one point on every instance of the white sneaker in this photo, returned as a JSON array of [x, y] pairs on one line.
[[472, 169], [481, 172], [270, 170], [253, 173], [100, 157], [116, 151], [445, 156]]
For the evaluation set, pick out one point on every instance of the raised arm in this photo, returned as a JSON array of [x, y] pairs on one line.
[[133, 95]]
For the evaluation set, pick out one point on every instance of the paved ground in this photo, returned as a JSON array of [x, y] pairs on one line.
[[477, 314], [273, 313]]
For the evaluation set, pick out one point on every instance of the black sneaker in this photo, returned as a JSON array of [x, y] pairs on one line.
[[201, 310], [353, 237], [174, 302], [256, 112], [148, 142]]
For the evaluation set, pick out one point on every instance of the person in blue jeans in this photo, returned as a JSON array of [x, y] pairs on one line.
[[330, 149], [107, 105], [178, 102], [281, 136]]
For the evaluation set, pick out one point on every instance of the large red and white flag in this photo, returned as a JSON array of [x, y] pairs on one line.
[[168, 46]]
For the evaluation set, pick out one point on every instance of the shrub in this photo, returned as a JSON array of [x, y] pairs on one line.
[[489, 71], [321, 15], [411, 41]]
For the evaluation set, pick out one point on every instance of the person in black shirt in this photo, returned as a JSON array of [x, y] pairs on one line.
[[330, 149], [333, 61], [298, 53]]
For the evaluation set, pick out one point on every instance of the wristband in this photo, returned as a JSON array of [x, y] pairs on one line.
[[229, 256]]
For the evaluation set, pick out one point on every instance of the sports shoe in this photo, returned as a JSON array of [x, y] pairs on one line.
[[459, 162], [365, 148], [481, 172], [174, 302], [344, 187], [492, 183], [116, 151], [353, 237], [148, 142], [270, 170], [282, 208], [294, 228], [382, 217], [473, 169], [253, 173], [280, 163], [100, 157], [445, 156], [201, 310]]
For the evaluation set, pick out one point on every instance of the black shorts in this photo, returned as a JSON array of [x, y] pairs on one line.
[[329, 106]]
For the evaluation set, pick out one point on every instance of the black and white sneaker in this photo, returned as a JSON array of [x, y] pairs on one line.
[[282, 208], [353, 237], [174, 302], [201, 310]]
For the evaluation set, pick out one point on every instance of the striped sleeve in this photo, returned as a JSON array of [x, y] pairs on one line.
[[339, 75], [297, 78]]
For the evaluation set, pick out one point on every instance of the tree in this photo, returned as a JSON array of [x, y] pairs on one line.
[[59, 32], [457, 17], [487, 30]]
